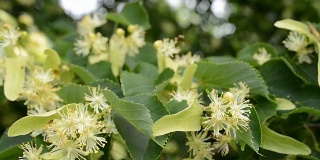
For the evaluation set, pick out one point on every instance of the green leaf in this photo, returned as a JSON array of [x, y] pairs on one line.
[[132, 13], [84, 74], [187, 77], [136, 114], [175, 106], [265, 109], [212, 75], [27, 124], [246, 54], [186, 120], [14, 77], [52, 60], [293, 25], [282, 144], [133, 84], [251, 137], [9, 146], [106, 83], [139, 145], [284, 104], [147, 54], [284, 83], [73, 93], [101, 70], [147, 70], [220, 59], [152, 103]]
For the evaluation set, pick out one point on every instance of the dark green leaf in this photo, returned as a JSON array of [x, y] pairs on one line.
[[83, 73], [175, 106], [9, 146], [73, 93], [251, 137], [101, 70], [246, 54], [212, 75]]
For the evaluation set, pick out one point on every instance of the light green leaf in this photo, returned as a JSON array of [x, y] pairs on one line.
[[31, 123], [282, 144], [284, 104], [14, 77], [132, 13], [186, 120], [52, 60], [6, 17], [187, 77], [83, 73], [293, 25], [225, 75]]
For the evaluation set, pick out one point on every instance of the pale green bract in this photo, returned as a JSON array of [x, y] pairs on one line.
[[276, 142], [14, 78]]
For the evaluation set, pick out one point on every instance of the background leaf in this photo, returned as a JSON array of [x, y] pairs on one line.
[[132, 13]]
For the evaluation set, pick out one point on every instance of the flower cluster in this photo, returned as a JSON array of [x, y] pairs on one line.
[[167, 47], [298, 43], [39, 91], [262, 56], [9, 36], [100, 48], [79, 131], [225, 115]]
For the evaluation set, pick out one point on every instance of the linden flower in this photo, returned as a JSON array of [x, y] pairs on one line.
[[167, 47], [9, 36], [91, 140], [186, 60], [30, 152], [109, 125], [262, 56], [295, 41], [298, 42], [97, 100], [181, 95], [82, 46], [88, 23], [99, 44], [135, 40], [241, 89], [39, 91], [222, 143], [304, 55], [70, 150], [198, 147]]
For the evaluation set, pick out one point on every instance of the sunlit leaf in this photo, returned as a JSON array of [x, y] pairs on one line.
[[14, 77], [186, 120], [52, 60], [31, 123]]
